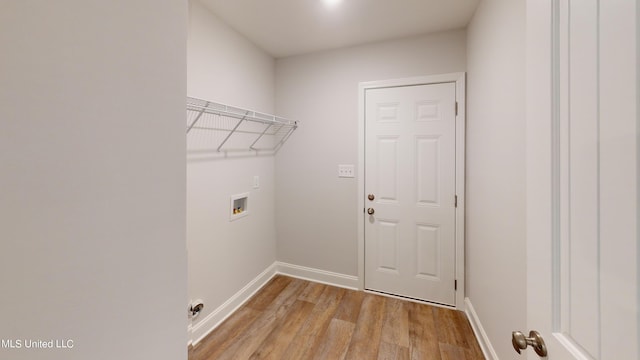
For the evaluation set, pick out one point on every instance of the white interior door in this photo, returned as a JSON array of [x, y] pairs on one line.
[[582, 200], [410, 169]]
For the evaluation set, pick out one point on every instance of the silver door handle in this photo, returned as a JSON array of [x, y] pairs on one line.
[[370, 211], [520, 342]]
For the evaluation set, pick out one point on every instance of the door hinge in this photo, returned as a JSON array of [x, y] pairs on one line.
[[455, 201], [455, 285], [456, 108]]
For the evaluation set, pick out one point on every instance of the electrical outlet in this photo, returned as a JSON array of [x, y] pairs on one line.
[[346, 171]]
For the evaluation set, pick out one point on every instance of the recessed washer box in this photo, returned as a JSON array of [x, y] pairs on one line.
[[239, 206]]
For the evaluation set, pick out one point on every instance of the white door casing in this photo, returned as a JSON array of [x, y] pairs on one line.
[[582, 200], [412, 161]]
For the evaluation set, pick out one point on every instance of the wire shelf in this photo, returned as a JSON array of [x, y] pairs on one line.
[[246, 130]]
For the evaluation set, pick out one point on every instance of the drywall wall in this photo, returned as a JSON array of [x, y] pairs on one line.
[[92, 179], [496, 238], [317, 211], [225, 256]]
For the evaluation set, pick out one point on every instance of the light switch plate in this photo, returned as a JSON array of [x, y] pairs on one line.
[[346, 171], [256, 182]]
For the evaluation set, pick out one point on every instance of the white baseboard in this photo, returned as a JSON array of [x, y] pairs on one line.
[[481, 335], [316, 275], [201, 329]]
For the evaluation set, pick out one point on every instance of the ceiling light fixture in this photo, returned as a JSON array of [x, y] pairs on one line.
[[332, 3]]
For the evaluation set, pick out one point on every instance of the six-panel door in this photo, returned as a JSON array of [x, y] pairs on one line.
[[410, 169]]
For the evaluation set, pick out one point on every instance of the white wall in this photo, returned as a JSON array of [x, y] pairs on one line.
[[496, 258], [225, 256], [92, 178], [316, 211]]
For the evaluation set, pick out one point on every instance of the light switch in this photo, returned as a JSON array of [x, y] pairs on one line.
[[346, 171], [256, 182]]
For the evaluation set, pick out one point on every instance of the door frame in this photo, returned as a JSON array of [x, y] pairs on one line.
[[459, 79]]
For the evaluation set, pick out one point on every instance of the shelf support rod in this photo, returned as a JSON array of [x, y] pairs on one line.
[[197, 117], [231, 132], [260, 137], [284, 138]]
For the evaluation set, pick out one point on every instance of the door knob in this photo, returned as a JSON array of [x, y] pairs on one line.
[[370, 211], [371, 197], [520, 342]]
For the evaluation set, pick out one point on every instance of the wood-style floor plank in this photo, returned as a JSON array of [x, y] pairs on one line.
[[393, 352], [274, 345], [225, 335], [268, 293], [335, 343], [395, 329], [451, 352], [350, 306], [448, 326], [365, 341], [423, 334], [296, 319], [307, 340], [312, 292], [272, 313], [452, 327]]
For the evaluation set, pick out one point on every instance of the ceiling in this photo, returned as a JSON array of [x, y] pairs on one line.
[[291, 27]]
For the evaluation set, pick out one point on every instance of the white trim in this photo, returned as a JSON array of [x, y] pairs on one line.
[[460, 81], [361, 143], [478, 330], [317, 275], [198, 331]]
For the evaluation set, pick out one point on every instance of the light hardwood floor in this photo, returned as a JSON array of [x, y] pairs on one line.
[[296, 319]]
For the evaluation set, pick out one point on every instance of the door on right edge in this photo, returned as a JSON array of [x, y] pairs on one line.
[[582, 179]]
